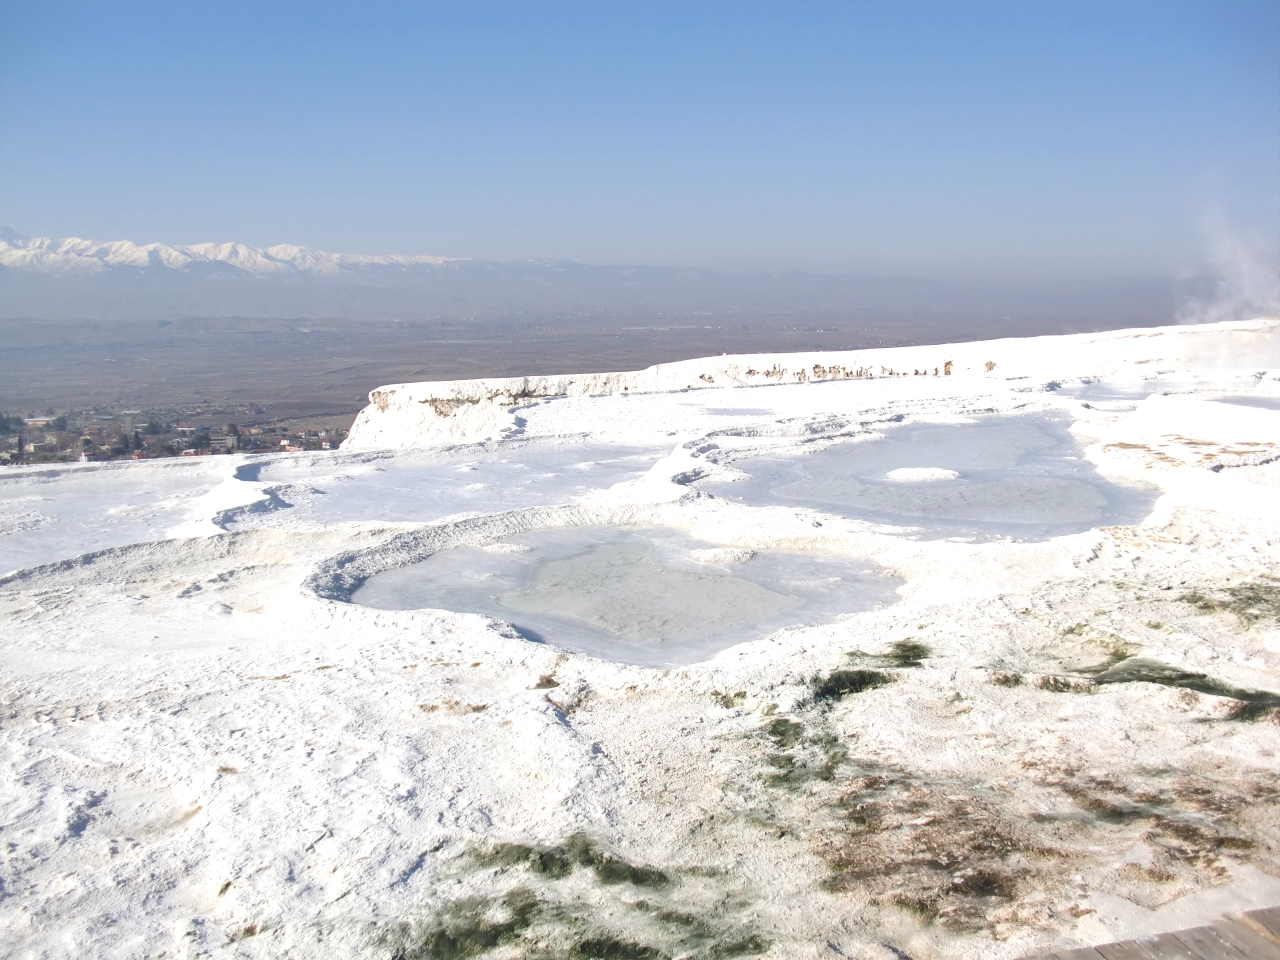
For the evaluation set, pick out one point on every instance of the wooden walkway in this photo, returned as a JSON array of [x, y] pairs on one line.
[[1255, 936]]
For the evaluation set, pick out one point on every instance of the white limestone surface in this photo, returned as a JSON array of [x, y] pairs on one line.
[[424, 414], [208, 750]]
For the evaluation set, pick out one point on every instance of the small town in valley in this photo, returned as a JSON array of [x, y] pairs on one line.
[[97, 435]]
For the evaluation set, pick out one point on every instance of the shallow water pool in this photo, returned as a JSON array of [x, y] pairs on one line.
[[1121, 390], [1133, 391], [425, 486], [1022, 478], [1262, 403], [654, 597]]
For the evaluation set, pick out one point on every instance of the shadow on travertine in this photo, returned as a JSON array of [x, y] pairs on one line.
[[1255, 936]]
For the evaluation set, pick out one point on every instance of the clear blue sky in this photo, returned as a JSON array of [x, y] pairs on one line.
[[1027, 137]]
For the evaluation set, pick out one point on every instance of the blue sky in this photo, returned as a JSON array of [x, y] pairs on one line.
[[1000, 139]]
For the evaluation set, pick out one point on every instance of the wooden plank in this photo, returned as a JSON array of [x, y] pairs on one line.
[[1205, 942], [1266, 922], [1247, 940], [1165, 946], [1125, 950], [1256, 936]]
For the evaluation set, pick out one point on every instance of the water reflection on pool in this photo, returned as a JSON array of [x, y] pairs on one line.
[[1023, 478], [648, 596]]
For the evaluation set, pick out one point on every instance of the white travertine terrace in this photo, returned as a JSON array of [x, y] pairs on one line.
[[207, 750], [407, 415]]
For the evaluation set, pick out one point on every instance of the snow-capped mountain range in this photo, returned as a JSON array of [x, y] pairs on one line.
[[73, 255], [73, 278]]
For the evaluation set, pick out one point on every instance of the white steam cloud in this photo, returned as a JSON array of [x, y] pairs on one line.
[[1246, 278]]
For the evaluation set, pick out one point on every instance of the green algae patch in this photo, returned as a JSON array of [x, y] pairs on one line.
[[902, 655], [750, 946], [841, 683], [701, 939], [1254, 713], [729, 700], [908, 653], [546, 914], [1054, 684], [562, 859], [784, 733], [801, 759], [611, 948], [1252, 602], [470, 928], [1150, 671]]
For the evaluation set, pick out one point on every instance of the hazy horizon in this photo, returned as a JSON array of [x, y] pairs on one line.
[[1203, 265], [74, 278]]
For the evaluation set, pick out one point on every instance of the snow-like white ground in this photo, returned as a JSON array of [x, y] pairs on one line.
[[209, 749], [50, 513]]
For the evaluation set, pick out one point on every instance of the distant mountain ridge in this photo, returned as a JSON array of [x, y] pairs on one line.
[[73, 255], [77, 279]]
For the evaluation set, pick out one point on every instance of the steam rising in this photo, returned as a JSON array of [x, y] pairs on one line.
[[1246, 280]]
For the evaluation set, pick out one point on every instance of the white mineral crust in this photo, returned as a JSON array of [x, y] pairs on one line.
[[921, 474], [209, 751]]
